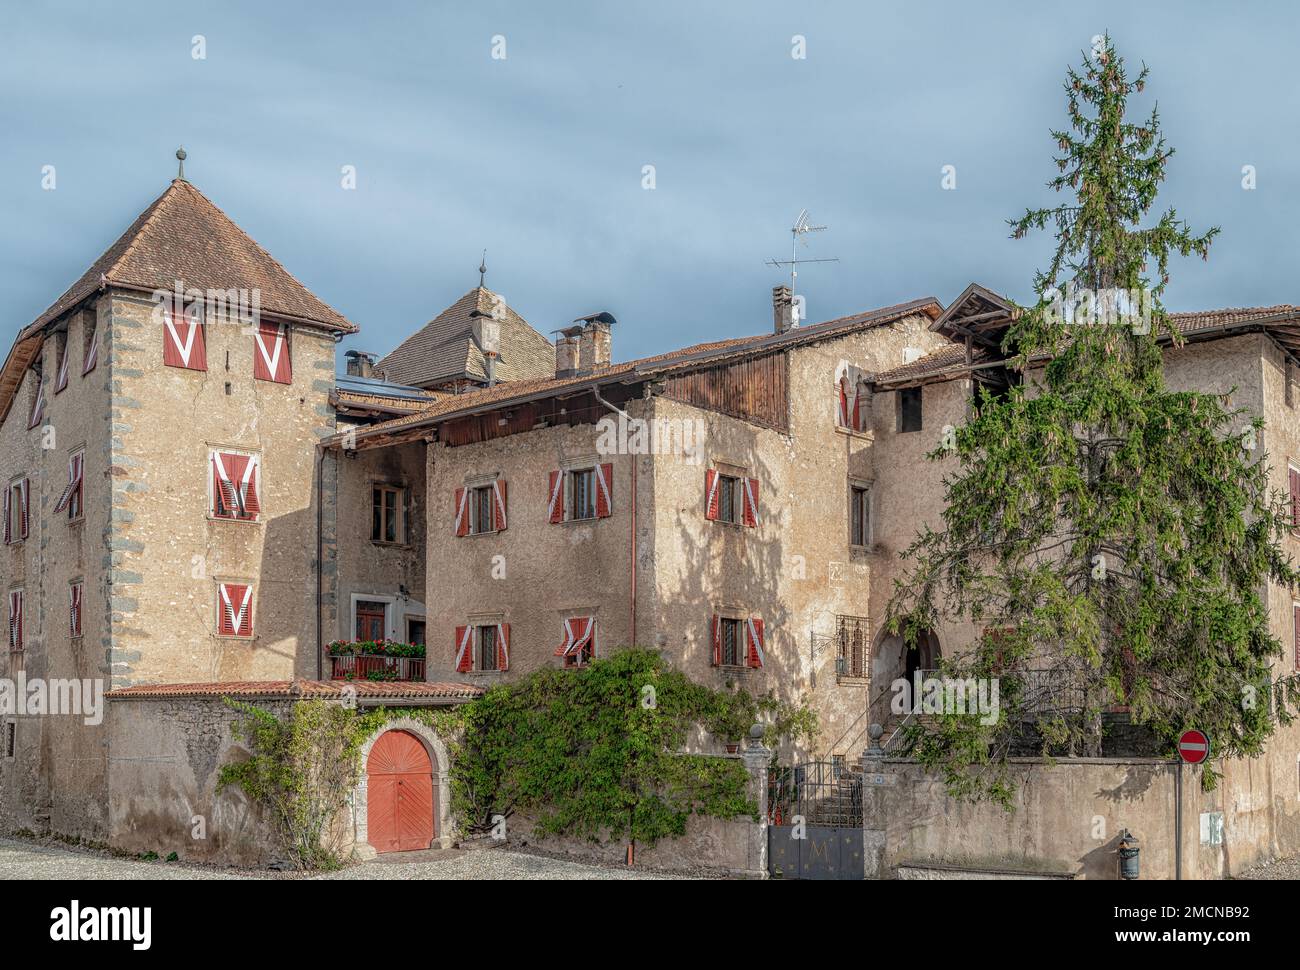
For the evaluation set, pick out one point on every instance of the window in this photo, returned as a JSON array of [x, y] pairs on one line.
[[728, 507], [837, 765], [271, 353], [371, 620], [385, 510], [859, 516], [579, 644], [16, 511], [15, 619], [738, 642], [235, 609], [235, 485], [853, 636], [415, 630], [484, 646], [729, 498], [74, 609], [481, 509], [71, 497], [853, 403], [1293, 481], [183, 343], [731, 642], [578, 494], [909, 409]]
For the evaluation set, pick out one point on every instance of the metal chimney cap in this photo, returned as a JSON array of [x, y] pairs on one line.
[[604, 316]]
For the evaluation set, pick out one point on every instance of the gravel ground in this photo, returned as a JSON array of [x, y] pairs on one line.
[[1281, 869], [35, 860]]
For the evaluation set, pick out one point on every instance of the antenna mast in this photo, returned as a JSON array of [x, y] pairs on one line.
[[802, 226]]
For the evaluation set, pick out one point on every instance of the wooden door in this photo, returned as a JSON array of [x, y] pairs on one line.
[[399, 794]]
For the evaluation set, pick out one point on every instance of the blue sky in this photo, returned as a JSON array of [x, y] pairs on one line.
[[538, 157]]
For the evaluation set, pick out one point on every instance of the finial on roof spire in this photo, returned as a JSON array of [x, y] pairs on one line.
[[482, 269], [180, 158]]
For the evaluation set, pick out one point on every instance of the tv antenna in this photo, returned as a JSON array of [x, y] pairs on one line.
[[802, 226]]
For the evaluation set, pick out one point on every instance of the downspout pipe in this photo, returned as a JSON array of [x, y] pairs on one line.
[[632, 536], [320, 545]]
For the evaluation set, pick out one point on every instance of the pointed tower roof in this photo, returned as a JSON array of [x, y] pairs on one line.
[[445, 349], [183, 236]]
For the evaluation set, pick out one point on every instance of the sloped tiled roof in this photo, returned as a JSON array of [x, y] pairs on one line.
[[444, 348], [183, 236], [929, 364], [303, 688], [698, 355]]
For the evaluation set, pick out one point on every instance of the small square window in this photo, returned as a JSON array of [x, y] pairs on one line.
[[909, 409]]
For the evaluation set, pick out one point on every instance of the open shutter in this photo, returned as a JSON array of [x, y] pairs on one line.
[[9, 504], [74, 607], [567, 643], [38, 405], [271, 353], [92, 353], [716, 627], [61, 381], [842, 403], [555, 508], [503, 646], [462, 512], [857, 407], [711, 494], [248, 488], [751, 502], [15, 619], [1294, 481], [464, 649], [754, 656], [499, 505], [604, 491], [23, 486], [1296, 635], [183, 338], [224, 500], [66, 494]]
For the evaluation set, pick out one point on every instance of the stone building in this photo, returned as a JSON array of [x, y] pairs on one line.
[[197, 506]]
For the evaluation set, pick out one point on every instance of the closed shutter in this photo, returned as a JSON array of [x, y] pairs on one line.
[[271, 353], [716, 627], [464, 646], [711, 494], [857, 407], [235, 485], [842, 403], [74, 607], [183, 344], [1296, 635], [234, 610], [503, 646], [754, 656], [461, 501], [751, 502], [604, 491], [555, 507], [9, 504], [499, 505], [15, 619]]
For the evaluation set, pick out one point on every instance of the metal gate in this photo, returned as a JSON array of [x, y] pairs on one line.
[[814, 814]]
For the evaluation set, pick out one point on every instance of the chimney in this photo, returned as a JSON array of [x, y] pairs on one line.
[[486, 328], [566, 356], [595, 345], [360, 363], [782, 308]]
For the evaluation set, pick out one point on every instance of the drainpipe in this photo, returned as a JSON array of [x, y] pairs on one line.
[[320, 518], [632, 543]]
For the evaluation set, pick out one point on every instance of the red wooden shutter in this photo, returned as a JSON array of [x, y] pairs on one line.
[[555, 508], [464, 646], [74, 477], [1294, 480], [92, 354], [751, 502], [74, 619], [499, 505], [1295, 618], [271, 353], [15, 619], [711, 494], [604, 491], [61, 381], [754, 656], [23, 486], [38, 405], [565, 644], [9, 504], [503, 646], [717, 640], [224, 500], [234, 610], [248, 488], [183, 338], [857, 407], [462, 512]]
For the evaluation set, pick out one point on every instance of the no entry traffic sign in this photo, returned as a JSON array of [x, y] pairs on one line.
[[1194, 747]]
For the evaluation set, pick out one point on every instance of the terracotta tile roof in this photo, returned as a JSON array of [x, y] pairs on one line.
[[303, 688], [695, 356], [931, 364], [444, 348], [1203, 319], [342, 398], [183, 236]]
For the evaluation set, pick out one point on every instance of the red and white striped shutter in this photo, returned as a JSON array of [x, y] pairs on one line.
[[183, 338], [248, 487], [710, 494], [74, 617], [503, 646], [604, 491], [235, 610], [92, 354], [555, 507], [567, 643], [464, 645], [716, 628], [24, 487], [462, 512], [61, 381], [499, 505], [223, 486], [751, 502], [74, 464], [271, 353], [38, 405], [754, 655], [857, 407]]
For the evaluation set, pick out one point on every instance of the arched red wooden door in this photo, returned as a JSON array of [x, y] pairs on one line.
[[399, 794]]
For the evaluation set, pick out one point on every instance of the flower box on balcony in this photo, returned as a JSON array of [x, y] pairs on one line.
[[376, 660]]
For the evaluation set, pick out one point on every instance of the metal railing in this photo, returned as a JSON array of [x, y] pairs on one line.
[[374, 667], [818, 792]]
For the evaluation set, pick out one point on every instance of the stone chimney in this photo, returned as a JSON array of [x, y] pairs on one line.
[[566, 356], [595, 345], [782, 308], [360, 363]]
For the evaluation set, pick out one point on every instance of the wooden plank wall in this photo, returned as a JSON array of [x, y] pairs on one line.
[[756, 389]]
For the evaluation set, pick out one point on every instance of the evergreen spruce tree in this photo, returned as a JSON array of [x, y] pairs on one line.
[[1113, 539]]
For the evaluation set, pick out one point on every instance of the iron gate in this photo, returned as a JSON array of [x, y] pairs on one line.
[[814, 814]]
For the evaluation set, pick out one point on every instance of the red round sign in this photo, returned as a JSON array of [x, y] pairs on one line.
[[1194, 747]]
